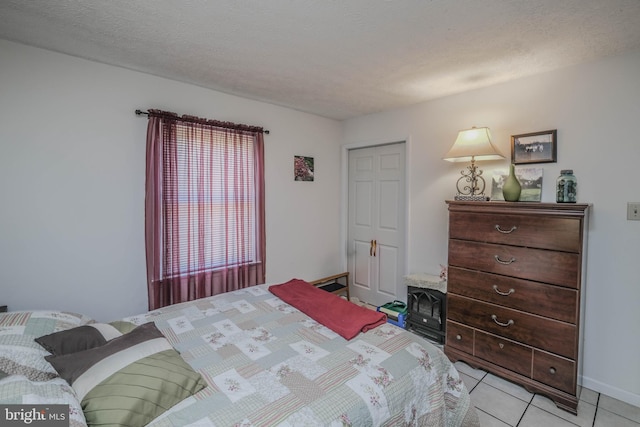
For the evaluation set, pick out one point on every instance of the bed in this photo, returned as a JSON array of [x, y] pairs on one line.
[[243, 358]]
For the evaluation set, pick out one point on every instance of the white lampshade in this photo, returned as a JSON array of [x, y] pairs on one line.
[[473, 143]]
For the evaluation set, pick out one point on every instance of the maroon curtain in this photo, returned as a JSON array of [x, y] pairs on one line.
[[204, 208]]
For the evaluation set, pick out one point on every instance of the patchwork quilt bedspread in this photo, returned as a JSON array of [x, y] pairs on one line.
[[265, 363], [268, 364]]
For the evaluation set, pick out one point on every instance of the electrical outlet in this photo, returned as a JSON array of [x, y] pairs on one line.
[[633, 211]]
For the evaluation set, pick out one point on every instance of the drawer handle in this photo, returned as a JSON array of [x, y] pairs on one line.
[[504, 294], [504, 262], [504, 325], [552, 371], [514, 228], [458, 337]]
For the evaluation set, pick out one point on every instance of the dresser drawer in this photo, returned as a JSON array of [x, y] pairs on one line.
[[460, 337], [539, 231], [545, 300], [547, 334], [503, 352], [555, 371], [558, 268]]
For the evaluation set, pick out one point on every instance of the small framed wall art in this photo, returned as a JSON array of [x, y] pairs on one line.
[[302, 168], [535, 147]]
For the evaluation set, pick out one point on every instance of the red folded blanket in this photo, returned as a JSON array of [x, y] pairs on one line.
[[341, 316]]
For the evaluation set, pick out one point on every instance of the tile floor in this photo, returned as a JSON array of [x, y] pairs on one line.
[[501, 403]]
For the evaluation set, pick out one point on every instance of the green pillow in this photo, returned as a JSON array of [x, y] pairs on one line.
[[130, 380]]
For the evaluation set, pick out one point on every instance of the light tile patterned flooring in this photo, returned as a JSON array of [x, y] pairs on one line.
[[500, 403]]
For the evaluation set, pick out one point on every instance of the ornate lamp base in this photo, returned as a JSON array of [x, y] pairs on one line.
[[474, 198], [471, 184]]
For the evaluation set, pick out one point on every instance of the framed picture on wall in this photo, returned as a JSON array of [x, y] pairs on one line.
[[302, 168], [535, 147]]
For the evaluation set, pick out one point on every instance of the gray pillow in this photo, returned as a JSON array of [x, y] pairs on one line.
[[81, 338], [130, 380]]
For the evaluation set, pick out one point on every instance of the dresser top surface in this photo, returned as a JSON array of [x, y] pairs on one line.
[[532, 207]]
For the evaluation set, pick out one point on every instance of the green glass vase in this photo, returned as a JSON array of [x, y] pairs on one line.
[[511, 188]]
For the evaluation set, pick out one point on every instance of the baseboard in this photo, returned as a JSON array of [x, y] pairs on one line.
[[616, 393]]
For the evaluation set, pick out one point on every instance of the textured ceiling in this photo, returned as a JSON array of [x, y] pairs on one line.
[[337, 59]]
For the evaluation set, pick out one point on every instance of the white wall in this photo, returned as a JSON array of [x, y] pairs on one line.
[[72, 162], [596, 109]]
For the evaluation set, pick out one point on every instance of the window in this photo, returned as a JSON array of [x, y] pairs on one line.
[[214, 209], [207, 217]]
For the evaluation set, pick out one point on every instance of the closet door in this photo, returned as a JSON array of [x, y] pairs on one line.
[[377, 211]]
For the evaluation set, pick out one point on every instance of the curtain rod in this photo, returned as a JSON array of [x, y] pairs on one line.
[[146, 113]]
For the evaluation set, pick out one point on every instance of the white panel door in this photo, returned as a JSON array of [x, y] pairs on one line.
[[376, 222]]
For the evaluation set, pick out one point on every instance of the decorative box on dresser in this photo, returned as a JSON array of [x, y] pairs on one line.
[[515, 293]]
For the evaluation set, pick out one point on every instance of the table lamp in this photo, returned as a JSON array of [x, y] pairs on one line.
[[471, 145]]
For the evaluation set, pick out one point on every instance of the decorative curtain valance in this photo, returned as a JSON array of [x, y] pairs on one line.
[[209, 122]]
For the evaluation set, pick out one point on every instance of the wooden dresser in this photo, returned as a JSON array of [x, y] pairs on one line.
[[516, 291]]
